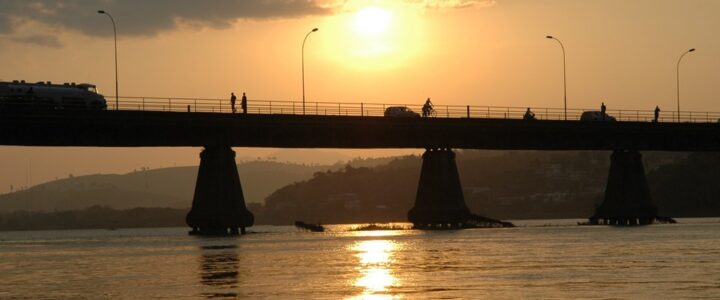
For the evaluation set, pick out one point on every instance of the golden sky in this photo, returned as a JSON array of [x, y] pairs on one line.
[[464, 52]]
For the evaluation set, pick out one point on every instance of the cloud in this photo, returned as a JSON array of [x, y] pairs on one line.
[[38, 39], [146, 18], [150, 17], [452, 4], [5, 24]]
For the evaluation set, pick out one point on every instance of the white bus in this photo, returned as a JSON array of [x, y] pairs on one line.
[[48, 96]]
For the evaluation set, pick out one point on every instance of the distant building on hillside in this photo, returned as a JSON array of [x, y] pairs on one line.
[[348, 200]]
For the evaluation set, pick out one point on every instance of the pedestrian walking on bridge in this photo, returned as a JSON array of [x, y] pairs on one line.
[[232, 101], [657, 114], [243, 103]]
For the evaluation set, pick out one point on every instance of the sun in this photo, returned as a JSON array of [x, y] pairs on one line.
[[374, 37], [373, 20]]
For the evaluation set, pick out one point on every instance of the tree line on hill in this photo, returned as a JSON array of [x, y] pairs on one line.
[[95, 217], [505, 185]]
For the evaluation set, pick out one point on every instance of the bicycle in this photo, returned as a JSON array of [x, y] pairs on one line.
[[431, 113]]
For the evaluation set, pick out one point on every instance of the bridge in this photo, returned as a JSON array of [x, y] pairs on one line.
[[218, 202]]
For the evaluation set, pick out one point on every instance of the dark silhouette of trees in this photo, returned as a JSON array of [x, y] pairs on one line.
[[96, 217]]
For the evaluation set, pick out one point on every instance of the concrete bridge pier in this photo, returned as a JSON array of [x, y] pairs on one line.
[[218, 204], [627, 195], [439, 203]]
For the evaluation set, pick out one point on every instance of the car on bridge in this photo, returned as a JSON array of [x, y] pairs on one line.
[[400, 111], [596, 116]]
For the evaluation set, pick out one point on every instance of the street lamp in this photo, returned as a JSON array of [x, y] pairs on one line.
[[678, 81], [303, 66], [564, 73], [117, 95]]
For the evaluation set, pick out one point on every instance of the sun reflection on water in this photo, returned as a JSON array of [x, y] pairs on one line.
[[376, 277]]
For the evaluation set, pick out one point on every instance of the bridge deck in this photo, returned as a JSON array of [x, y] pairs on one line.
[[158, 129]]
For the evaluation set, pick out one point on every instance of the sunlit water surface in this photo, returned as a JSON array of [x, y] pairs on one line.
[[530, 261]]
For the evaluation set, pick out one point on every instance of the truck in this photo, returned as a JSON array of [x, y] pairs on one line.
[[44, 95]]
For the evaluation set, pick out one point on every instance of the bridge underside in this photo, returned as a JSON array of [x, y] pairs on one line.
[[175, 129]]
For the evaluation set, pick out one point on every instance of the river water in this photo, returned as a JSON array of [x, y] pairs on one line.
[[538, 259]]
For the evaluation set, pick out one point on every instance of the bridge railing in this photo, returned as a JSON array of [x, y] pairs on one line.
[[288, 107]]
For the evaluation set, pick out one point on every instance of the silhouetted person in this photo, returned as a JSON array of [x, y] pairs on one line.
[[232, 101], [602, 110], [657, 114], [427, 107], [243, 103], [529, 115]]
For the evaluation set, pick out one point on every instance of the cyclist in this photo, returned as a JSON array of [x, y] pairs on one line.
[[427, 108], [529, 115]]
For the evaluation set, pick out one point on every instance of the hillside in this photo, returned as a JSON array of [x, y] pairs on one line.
[[507, 185], [167, 187], [688, 187]]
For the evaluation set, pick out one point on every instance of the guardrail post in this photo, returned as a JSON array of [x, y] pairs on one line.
[[143, 104], [362, 112], [339, 112], [468, 111], [169, 105], [270, 107], [293, 108], [195, 105]]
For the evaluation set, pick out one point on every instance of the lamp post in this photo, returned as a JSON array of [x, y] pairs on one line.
[[564, 74], [117, 95], [678, 81], [303, 66]]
